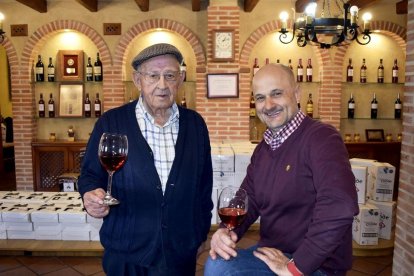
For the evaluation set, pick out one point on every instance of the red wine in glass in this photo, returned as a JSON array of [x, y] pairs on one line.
[[232, 217], [112, 151], [232, 206]]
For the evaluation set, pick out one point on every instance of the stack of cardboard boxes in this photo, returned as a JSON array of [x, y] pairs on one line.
[[46, 216], [374, 182]]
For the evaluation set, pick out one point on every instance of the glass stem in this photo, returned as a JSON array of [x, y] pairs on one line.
[[109, 188]]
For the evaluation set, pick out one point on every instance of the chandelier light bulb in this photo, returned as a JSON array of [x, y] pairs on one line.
[[354, 14], [284, 17], [311, 9], [1, 21], [367, 17]]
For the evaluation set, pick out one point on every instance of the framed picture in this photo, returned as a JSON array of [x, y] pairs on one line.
[[70, 65], [223, 45], [374, 135], [223, 85], [71, 100]]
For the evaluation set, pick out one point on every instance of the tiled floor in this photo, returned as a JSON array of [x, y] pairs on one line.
[[71, 266]]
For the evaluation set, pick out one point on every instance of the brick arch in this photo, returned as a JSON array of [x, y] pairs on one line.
[[23, 93], [151, 24]]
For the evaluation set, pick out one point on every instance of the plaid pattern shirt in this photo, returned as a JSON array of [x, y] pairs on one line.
[[161, 139], [277, 139]]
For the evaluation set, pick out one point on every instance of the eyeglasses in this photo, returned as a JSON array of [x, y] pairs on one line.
[[153, 77]]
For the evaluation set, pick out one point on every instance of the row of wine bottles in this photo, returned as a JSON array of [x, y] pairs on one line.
[[92, 73], [302, 73], [364, 71], [374, 107], [87, 106]]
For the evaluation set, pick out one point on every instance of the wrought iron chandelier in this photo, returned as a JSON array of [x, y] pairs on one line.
[[1, 28], [308, 29]]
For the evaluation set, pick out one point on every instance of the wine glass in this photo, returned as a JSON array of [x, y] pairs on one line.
[[113, 151], [232, 206]]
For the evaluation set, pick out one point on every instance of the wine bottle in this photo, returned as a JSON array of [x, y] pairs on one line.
[[380, 72], [89, 70], [290, 64], [183, 102], [363, 74], [97, 69], [87, 106], [51, 106], [300, 71], [395, 72], [252, 110], [41, 106], [277, 61], [50, 71], [309, 71], [374, 107], [351, 107], [397, 107], [309, 106], [40, 69], [350, 71], [183, 69], [97, 106], [256, 67]]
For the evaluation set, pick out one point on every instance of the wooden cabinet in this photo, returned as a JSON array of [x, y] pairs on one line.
[[51, 159]]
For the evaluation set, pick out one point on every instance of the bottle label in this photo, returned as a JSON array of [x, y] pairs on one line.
[[351, 72], [363, 73], [87, 107], [252, 112], [380, 73], [97, 70], [89, 71], [51, 107], [41, 107], [300, 71], [97, 107], [309, 71], [309, 108], [39, 70], [374, 106], [51, 71], [351, 105], [398, 106], [395, 73]]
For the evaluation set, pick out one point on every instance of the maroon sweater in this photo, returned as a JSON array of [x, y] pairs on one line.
[[304, 192]]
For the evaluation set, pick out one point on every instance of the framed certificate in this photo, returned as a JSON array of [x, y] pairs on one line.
[[71, 100], [223, 85], [70, 64]]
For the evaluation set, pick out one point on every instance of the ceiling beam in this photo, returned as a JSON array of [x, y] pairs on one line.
[[38, 5], [143, 5], [249, 5], [401, 7], [91, 5], [195, 4], [300, 5]]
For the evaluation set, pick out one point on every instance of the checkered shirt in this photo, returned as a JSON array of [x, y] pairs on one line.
[[277, 139], [161, 139]]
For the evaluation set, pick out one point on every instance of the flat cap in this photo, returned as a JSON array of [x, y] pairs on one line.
[[154, 51]]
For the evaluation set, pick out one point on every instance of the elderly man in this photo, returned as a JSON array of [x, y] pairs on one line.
[[165, 185], [300, 184]]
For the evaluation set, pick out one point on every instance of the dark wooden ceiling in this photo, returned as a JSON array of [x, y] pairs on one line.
[[249, 5]]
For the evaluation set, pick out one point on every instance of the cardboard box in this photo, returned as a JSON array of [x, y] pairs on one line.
[[387, 218], [380, 186], [94, 231], [223, 179], [360, 173], [365, 225], [222, 159], [72, 215], [47, 212], [17, 213], [37, 197], [66, 197], [19, 226], [54, 234], [242, 158], [20, 235], [70, 233]]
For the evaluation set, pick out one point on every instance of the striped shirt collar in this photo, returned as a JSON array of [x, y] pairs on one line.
[[142, 111], [277, 139]]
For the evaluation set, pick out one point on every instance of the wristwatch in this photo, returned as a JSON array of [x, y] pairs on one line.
[[293, 269]]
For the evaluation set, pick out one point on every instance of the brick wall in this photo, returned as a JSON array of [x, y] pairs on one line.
[[403, 263]]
